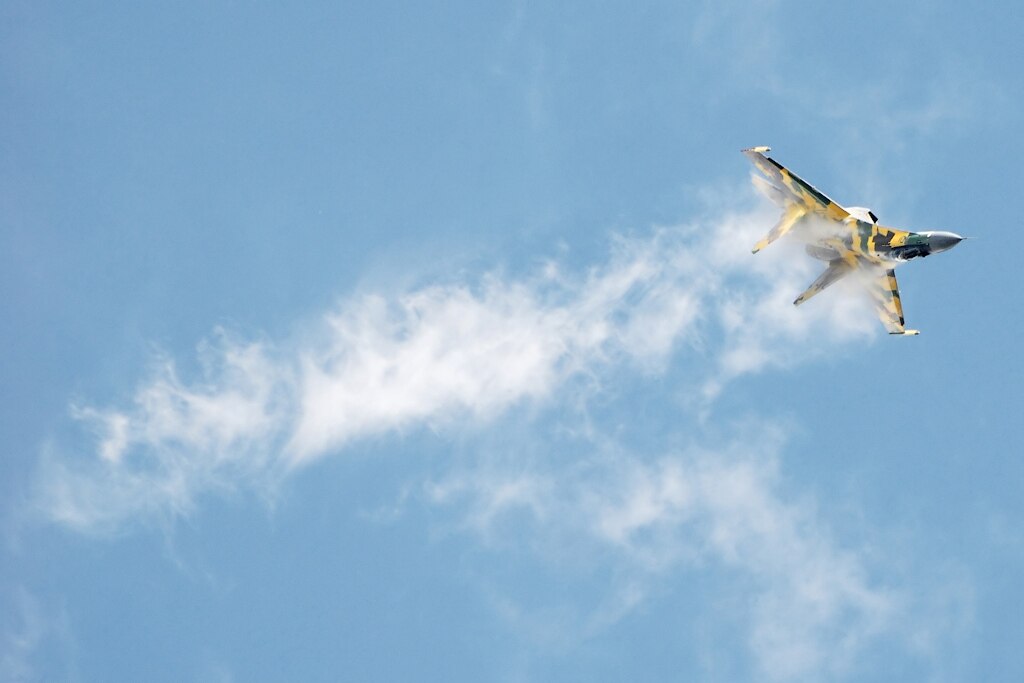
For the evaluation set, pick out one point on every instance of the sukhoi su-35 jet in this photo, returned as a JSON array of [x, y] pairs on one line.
[[850, 239]]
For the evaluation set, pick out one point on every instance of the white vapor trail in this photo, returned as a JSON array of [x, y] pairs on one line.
[[437, 354]]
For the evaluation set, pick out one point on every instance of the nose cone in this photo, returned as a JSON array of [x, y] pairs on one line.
[[941, 241]]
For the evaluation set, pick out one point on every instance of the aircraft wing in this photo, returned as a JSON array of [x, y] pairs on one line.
[[788, 189], [886, 294], [837, 269]]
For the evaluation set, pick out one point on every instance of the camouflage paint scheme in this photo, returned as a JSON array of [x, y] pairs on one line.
[[849, 243]]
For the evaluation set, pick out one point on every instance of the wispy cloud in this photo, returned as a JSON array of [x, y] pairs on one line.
[[176, 441], [810, 604]]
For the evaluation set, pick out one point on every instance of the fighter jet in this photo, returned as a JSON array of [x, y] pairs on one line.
[[850, 239]]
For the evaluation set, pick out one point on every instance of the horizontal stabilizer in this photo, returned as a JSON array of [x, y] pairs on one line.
[[794, 212], [835, 271]]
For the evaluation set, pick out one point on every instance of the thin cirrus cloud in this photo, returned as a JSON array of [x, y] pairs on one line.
[[439, 354], [809, 606]]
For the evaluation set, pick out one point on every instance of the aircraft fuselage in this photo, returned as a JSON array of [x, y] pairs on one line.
[[853, 238]]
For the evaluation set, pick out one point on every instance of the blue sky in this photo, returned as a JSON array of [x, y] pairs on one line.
[[397, 342]]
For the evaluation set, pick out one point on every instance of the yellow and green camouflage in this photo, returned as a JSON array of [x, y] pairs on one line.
[[849, 243]]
